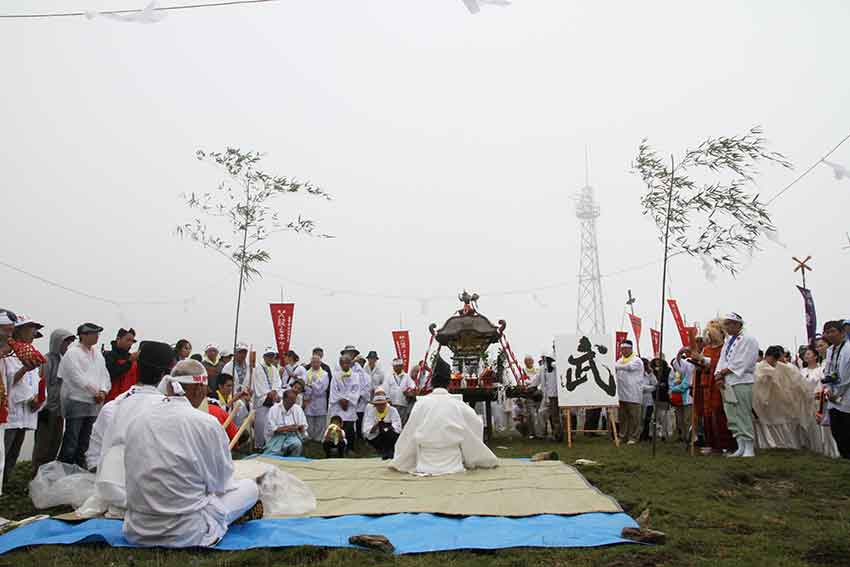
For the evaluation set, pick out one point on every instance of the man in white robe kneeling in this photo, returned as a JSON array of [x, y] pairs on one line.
[[443, 435], [180, 486], [286, 427]]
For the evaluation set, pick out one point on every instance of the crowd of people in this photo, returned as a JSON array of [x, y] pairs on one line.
[[722, 393]]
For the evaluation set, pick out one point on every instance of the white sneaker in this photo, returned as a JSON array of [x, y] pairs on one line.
[[749, 448]]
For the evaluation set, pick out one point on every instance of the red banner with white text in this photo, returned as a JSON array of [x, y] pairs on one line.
[[402, 347], [680, 323], [619, 337], [636, 327], [656, 342], [282, 315]]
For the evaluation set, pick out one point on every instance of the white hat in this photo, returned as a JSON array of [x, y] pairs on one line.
[[734, 317], [270, 350], [380, 396], [23, 320], [242, 346], [225, 352], [5, 319], [211, 346], [398, 362]]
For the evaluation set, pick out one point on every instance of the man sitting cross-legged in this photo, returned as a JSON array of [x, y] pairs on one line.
[[180, 486], [286, 427]]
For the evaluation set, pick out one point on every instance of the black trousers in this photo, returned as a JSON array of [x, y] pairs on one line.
[[48, 439], [330, 449], [839, 423], [384, 443], [350, 427], [646, 433], [14, 439], [359, 427]]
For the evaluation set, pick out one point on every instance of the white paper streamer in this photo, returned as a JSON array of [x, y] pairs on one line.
[[148, 15], [474, 6], [839, 171], [708, 269]]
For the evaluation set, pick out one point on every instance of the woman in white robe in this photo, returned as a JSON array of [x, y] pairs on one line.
[[819, 438]]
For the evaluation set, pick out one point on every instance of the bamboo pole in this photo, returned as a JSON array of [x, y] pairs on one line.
[[245, 425]]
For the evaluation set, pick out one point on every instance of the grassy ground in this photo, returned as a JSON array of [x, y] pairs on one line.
[[784, 508]]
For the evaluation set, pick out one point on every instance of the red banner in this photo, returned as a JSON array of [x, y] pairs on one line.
[[680, 323], [636, 326], [656, 342], [619, 337], [282, 315], [402, 347]]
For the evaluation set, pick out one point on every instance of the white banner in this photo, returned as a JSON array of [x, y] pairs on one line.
[[585, 370]]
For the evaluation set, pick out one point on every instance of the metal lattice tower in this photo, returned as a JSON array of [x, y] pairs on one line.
[[590, 314]]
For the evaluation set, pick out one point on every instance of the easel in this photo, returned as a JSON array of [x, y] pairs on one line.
[[611, 430]]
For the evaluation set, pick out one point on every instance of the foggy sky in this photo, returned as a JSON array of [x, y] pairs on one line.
[[452, 145]]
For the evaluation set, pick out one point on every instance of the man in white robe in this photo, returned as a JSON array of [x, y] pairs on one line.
[[374, 372], [180, 486], [344, 395], [316, 384], [286, 427], [238, 368], [399, 386], [155, 360], [381, 425], [267, 392], [549, 385], [443, 434]]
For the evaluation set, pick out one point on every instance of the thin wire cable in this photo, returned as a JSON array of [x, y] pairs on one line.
[[89, 295], [809, 170], [134, 11]]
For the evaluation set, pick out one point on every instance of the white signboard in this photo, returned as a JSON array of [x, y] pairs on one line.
[[585, 370]]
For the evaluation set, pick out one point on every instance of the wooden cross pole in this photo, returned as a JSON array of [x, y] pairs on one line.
[[802, 267], [631, 302]]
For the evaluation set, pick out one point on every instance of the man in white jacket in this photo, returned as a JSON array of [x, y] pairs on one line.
[[180, 486], [316, 383], [267, 392], [443, 434], [85, 385], [382, 425], [344, 395], [398, 386], [286, 427], [629, 371], [735, 376]]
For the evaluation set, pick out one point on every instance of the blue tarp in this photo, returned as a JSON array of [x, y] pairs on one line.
[[410, 533]]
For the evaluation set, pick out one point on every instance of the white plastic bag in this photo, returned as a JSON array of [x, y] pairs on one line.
[[281, 493], [61, 484]]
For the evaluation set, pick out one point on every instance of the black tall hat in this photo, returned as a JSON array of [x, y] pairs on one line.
[[156, 355]]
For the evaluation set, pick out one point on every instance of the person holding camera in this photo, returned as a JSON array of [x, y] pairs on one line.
[[837, 381]]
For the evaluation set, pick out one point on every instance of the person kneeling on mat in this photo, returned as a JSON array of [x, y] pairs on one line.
[[382, 425]]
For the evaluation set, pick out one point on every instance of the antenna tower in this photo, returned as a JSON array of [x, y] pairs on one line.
[[590, 314]]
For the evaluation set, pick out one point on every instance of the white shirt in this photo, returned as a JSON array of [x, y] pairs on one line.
[[650, 382], [442, 436], [838, 361], [177, 459], [315, 390], [83, 373], [240, 378], [740, 354], [629, 379], [290, 373], [370, 418], [98, 431], [549, 381], [395, 385], [279, 416], [266, 380], [19, 395], [376, 378], [111, 476], [365, 387], [345, 388]]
